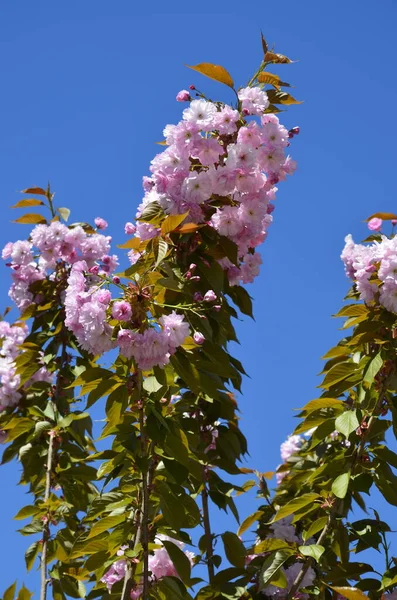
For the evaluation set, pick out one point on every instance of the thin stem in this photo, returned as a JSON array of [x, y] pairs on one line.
[[46, 527], [261, 67], [207, 530], [50, 203]]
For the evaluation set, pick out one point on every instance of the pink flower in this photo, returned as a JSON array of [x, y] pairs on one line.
[[176, 328], [375, 224], [100, 223], [121, 311], [253, 100], [129, 228], [183, 96], [202, 113]]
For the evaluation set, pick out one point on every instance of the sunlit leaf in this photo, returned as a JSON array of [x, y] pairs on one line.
[[172, 222], [272, 57], [271, 79], [31, 219], [65, 213], [350, 593], [28, 202], [385, 216], [347, 422], [215, 72], [35, 190], [313, 550]]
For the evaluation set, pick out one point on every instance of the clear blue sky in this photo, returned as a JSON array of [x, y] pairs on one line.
[[87, 88]]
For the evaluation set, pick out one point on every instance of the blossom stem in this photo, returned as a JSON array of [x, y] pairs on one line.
[[46, 527], [207, 529], [261, 67]]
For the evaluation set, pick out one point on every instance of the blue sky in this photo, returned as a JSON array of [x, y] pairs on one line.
[[87, 88]]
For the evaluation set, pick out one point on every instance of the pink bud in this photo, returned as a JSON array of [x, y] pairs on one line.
[[195, 278], [183, 96], [192, 267], [94, 270], [375, 224], [191, 87], [198, 338], [270, 208], [116, 279], [217, 307], [394, 222], [209, 296], [197, 297], [101, 223]]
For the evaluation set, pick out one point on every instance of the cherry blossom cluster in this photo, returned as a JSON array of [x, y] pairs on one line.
[[160, 565], [291, 446], [89, 308], [373, 268], [48, 250], [284, 530], [221, 169], [12, 336]]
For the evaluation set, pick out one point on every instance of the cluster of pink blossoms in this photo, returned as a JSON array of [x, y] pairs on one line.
[[212, 154], [291, 445], [160, 565], [54, 243], [367, 265], [285, 530], [88, 309], [11, 337]]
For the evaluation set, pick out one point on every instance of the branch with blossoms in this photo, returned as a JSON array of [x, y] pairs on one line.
[[151, 342], [309, 534]]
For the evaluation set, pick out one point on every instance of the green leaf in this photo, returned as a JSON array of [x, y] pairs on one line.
[[296, 504], [347, 422], [215, 72], [160, 251], [180, 560], [373, 369], [31, 553], [10, 592], [105, 524], [351, 593], [322, 403], [341, 485], [315, 527], [151, 384], [24, 594], [337, 373], [249, 521], [234, 549], [271, 566], [313, 550], [26, 511], [270, 544]]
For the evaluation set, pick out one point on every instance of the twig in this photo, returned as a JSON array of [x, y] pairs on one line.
[[207, 530], [46, 527]]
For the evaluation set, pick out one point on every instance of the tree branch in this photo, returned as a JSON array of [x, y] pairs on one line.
[[46, 527], [207, 529]]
